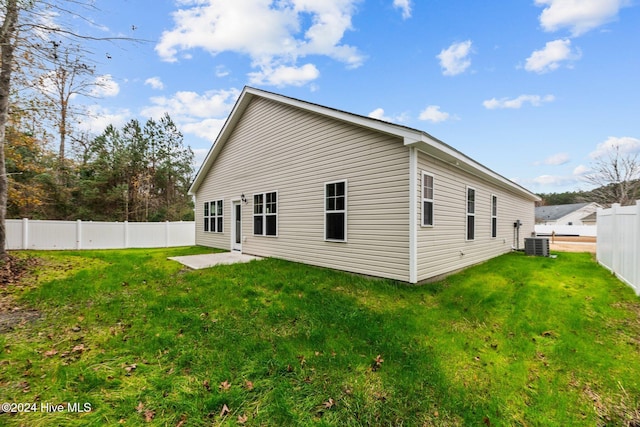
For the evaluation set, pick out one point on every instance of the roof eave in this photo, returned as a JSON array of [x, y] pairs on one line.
[[450, 155]]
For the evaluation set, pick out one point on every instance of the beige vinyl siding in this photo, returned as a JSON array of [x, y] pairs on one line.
[[276, 147], [443, 248]]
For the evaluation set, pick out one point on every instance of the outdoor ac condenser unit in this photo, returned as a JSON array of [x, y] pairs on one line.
[[536, 246]]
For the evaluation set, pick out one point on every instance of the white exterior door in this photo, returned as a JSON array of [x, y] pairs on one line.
[[236, 226]]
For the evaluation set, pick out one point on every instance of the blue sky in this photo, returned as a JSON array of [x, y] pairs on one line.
[[533, 89]]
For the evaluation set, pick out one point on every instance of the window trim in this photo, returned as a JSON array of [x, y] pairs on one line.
[[424, 199], [264, 214], [470, 214], [494, 216], [344, 211], [212, 207]]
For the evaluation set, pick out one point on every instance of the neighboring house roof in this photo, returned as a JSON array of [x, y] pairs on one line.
[[556, 212], [411, 137], [592, 217]]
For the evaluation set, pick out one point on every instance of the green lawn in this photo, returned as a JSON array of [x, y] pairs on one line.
[[515, 341]]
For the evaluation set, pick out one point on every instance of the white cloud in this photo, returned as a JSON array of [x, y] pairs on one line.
[[221, 71], [550, 57], [283, 75], [433, 114], [579, 16], [379, 114], [274, 34], [155, 83], [455, 59], [202, 115], [207, 129], [98, 118], [557, 159], [626, 145], [554, 180], [105, 87], [535, 100], [581, 170], [405, 6]]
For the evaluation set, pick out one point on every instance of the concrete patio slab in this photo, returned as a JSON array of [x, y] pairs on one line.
[[197, 262]]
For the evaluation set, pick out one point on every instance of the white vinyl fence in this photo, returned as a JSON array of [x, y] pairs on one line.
[[567, 230], [618, 247], [46, 235]]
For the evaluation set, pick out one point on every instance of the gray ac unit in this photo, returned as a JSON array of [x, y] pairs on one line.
[[536, 246]]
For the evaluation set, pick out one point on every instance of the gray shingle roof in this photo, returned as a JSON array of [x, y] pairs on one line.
[[552, 213]]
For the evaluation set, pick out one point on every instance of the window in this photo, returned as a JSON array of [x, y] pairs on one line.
[[494, 216], [265, 214], [471, 213], [213, 218], [427, 200], [335, 211]]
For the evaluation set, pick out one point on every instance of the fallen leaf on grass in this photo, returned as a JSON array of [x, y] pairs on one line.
[[377, 363], [302, 360], [50, 353], [149, 415], [225, 385], [183, 421], [78, 349], [329, 403], [248, 385], [242, 419], [130, 368], [206, 385], [225, 410]]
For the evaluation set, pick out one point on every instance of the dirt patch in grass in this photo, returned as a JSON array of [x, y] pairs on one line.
[[12, 270], [573, 244]]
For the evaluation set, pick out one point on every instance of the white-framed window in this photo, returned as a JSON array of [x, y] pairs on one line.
[[427, 200], [471, 213], [265, 214], [494, 216], [335, 211], [213, 216]]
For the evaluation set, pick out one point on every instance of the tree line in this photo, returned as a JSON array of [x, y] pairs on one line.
[[140, 172]]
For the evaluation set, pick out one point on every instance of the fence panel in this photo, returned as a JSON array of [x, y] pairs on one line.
[[47, 235], [147, 235], [567, 230], [51, 235], [102, 235], [618, 246]]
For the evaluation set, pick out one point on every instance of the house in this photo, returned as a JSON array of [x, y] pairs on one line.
[[571, 214], [299, 181]]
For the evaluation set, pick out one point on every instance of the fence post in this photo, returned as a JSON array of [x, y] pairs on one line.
[[615, 216], [126, 233], [25, 233], [79, 234]]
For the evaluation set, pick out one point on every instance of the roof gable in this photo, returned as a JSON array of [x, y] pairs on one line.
[[555, 212], [411, 137]]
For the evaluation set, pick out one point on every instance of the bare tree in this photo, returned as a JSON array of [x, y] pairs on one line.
[[7, 49], [25, 25], [71, 75], [616, 177]]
